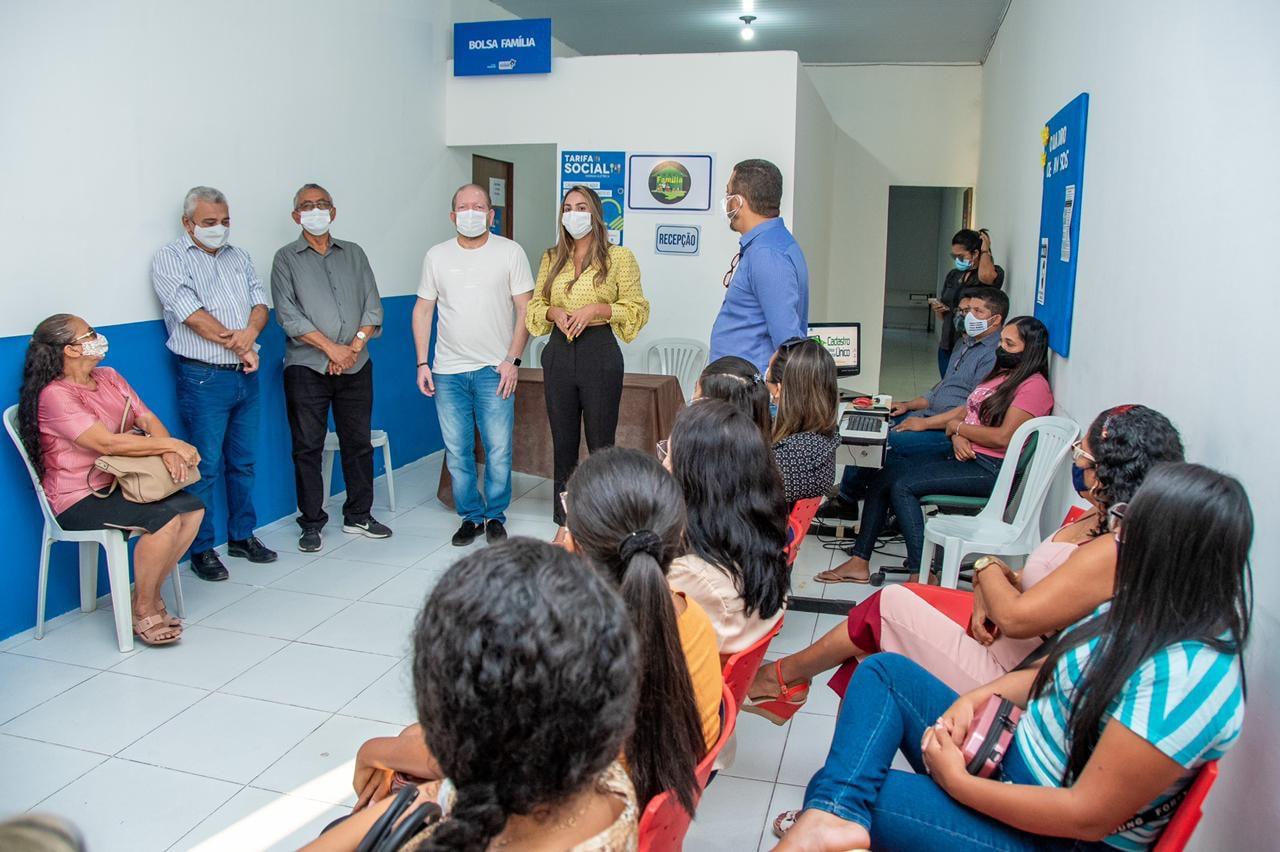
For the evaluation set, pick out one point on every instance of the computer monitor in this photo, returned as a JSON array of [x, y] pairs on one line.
[[843, 340]]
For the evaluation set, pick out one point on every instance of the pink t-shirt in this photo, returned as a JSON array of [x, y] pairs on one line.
[[1033, 396], [67, 410]]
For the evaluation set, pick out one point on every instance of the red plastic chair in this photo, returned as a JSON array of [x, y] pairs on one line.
[[1179, 830], [740, 669], [802, 515], [664, 822]]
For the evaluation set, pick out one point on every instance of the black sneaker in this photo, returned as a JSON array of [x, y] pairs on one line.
[[494, 531], [466, 534], [252, 549], [369, 528], [310, 541], [207, 566]]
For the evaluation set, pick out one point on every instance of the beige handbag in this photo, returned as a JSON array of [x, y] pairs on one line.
[[142, 479]]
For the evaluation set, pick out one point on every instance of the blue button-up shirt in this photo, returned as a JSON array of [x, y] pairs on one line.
[[767, 301], [187, 278], [971, 361]]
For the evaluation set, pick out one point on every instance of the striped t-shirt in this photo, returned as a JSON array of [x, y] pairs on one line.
[[1185, 700]]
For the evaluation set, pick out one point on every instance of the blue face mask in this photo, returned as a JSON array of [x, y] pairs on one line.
[[773, 409], [963, 265], [1077, 480]]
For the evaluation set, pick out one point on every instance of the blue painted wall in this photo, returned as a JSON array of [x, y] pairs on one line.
[[139, 353]]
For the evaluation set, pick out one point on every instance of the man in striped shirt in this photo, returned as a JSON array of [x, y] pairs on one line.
[[214, 309]]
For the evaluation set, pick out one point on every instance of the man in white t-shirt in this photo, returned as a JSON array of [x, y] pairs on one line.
[[482, 284]]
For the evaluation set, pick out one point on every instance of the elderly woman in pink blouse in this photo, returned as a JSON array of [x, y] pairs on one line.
[[69, 412]]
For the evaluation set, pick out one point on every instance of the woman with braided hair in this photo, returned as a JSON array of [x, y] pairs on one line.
[[524, 673], [626, 514]]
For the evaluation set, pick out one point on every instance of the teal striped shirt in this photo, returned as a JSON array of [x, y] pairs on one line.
[[1186, 700]]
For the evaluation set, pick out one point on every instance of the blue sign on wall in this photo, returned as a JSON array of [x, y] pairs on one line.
[[677, 239], [603, 171], [1063, 162], [485, 48]]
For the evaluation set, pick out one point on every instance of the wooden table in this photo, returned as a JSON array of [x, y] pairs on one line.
[[646, 414]]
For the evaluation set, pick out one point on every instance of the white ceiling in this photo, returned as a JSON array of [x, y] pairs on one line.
[[819, 30]]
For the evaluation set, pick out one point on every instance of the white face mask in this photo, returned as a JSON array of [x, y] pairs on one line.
[[974, 326], [471, 223], [577, 223], [724, 206], [214, 237], [94, 347], [316, 222]]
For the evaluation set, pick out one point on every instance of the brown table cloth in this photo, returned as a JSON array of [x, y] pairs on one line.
[[646, 414]]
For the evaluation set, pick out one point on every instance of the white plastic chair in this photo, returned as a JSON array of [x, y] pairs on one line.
[[679, 357], [115, 545], [376, 437], [536, 347], [988, 532]]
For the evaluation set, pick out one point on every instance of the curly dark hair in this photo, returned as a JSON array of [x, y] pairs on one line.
[[42, 365], [1126, 442], [627, 516], [737, 509], [524, 674], [737, 381]]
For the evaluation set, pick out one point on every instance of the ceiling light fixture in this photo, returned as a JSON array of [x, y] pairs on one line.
[[748, 6], [747, 33]]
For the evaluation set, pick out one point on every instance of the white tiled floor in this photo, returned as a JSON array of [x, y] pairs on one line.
[[909, 362], [241, 736]]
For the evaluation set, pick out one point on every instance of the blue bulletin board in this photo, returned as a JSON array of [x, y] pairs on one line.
[[1062, 160]]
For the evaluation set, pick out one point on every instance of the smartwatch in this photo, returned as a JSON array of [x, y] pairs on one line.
[[513, 361]]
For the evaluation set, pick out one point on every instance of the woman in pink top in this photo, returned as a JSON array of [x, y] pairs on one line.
[[69, 413], [1016, 390], [1008, 613]]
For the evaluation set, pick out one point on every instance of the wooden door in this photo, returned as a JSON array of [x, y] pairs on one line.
[[497, 176]]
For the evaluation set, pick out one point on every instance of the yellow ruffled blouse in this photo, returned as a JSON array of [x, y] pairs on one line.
[[620, 290]]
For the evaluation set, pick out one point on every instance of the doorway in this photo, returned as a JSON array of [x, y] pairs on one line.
[[497, 176], [922, 220]]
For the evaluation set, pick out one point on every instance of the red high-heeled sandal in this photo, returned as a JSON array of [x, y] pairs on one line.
[[782, 707]]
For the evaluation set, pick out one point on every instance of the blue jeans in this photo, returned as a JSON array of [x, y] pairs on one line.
[[889, 703], [465, 402], [902, 445], [220, 411], [902, 482]]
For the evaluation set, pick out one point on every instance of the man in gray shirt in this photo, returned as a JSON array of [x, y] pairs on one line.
[[982, 311], [327, 301]]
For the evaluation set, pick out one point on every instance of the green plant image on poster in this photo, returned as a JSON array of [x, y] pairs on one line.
[[669, 182]]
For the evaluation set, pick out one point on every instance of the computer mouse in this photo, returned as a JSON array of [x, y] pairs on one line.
[[863, 402]]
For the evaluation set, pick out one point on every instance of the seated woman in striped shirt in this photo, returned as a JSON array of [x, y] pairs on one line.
[[1121, 714]]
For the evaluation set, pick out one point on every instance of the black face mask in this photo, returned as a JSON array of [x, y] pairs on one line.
[[1007, 360]]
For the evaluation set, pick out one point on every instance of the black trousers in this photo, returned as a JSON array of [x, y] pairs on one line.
[[582, 380], [308, 396]]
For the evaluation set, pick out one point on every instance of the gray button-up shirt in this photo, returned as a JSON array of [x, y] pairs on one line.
[[334, 294], [971, 361]]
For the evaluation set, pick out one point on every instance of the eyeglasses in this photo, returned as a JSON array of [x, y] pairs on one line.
[[664, 450], [308, 206], [91, 333], [1115, 519], [733, 265], [1079, 452]]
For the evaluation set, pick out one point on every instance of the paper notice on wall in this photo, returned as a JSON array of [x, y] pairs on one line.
[[1044, 270], [497, 192], [1067, 209]]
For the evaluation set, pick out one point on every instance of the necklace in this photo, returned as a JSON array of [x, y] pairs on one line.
[[562, 824]]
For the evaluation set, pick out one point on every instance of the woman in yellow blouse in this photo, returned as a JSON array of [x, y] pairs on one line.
[[587, 290]]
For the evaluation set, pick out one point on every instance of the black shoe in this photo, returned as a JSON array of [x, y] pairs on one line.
[[252, 549], [494, 531], [207, 566], [369, 528], [466, 534], [310, 541], [837, 509]]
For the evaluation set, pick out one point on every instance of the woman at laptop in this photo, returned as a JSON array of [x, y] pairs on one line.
[[802, 381], [980, 430]]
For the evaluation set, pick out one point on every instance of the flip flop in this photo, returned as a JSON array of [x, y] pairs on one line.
[[783, 822], [831, 577], [146, 628]]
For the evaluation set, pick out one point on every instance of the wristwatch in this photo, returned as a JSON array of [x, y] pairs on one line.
[[360, 335], [515, 362]]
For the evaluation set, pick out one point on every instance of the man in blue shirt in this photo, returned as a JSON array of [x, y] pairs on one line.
[[767, 302]]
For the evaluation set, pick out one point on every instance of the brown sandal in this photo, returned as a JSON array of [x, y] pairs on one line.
[[147, 628]]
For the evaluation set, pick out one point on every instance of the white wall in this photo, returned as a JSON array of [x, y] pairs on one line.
[[1175, 294], [649, 104], [896, 125], [811, 218], [535, 201], [113, 110]]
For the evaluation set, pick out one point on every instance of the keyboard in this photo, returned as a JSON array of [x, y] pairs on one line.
[[861, 423], [857, 427]]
